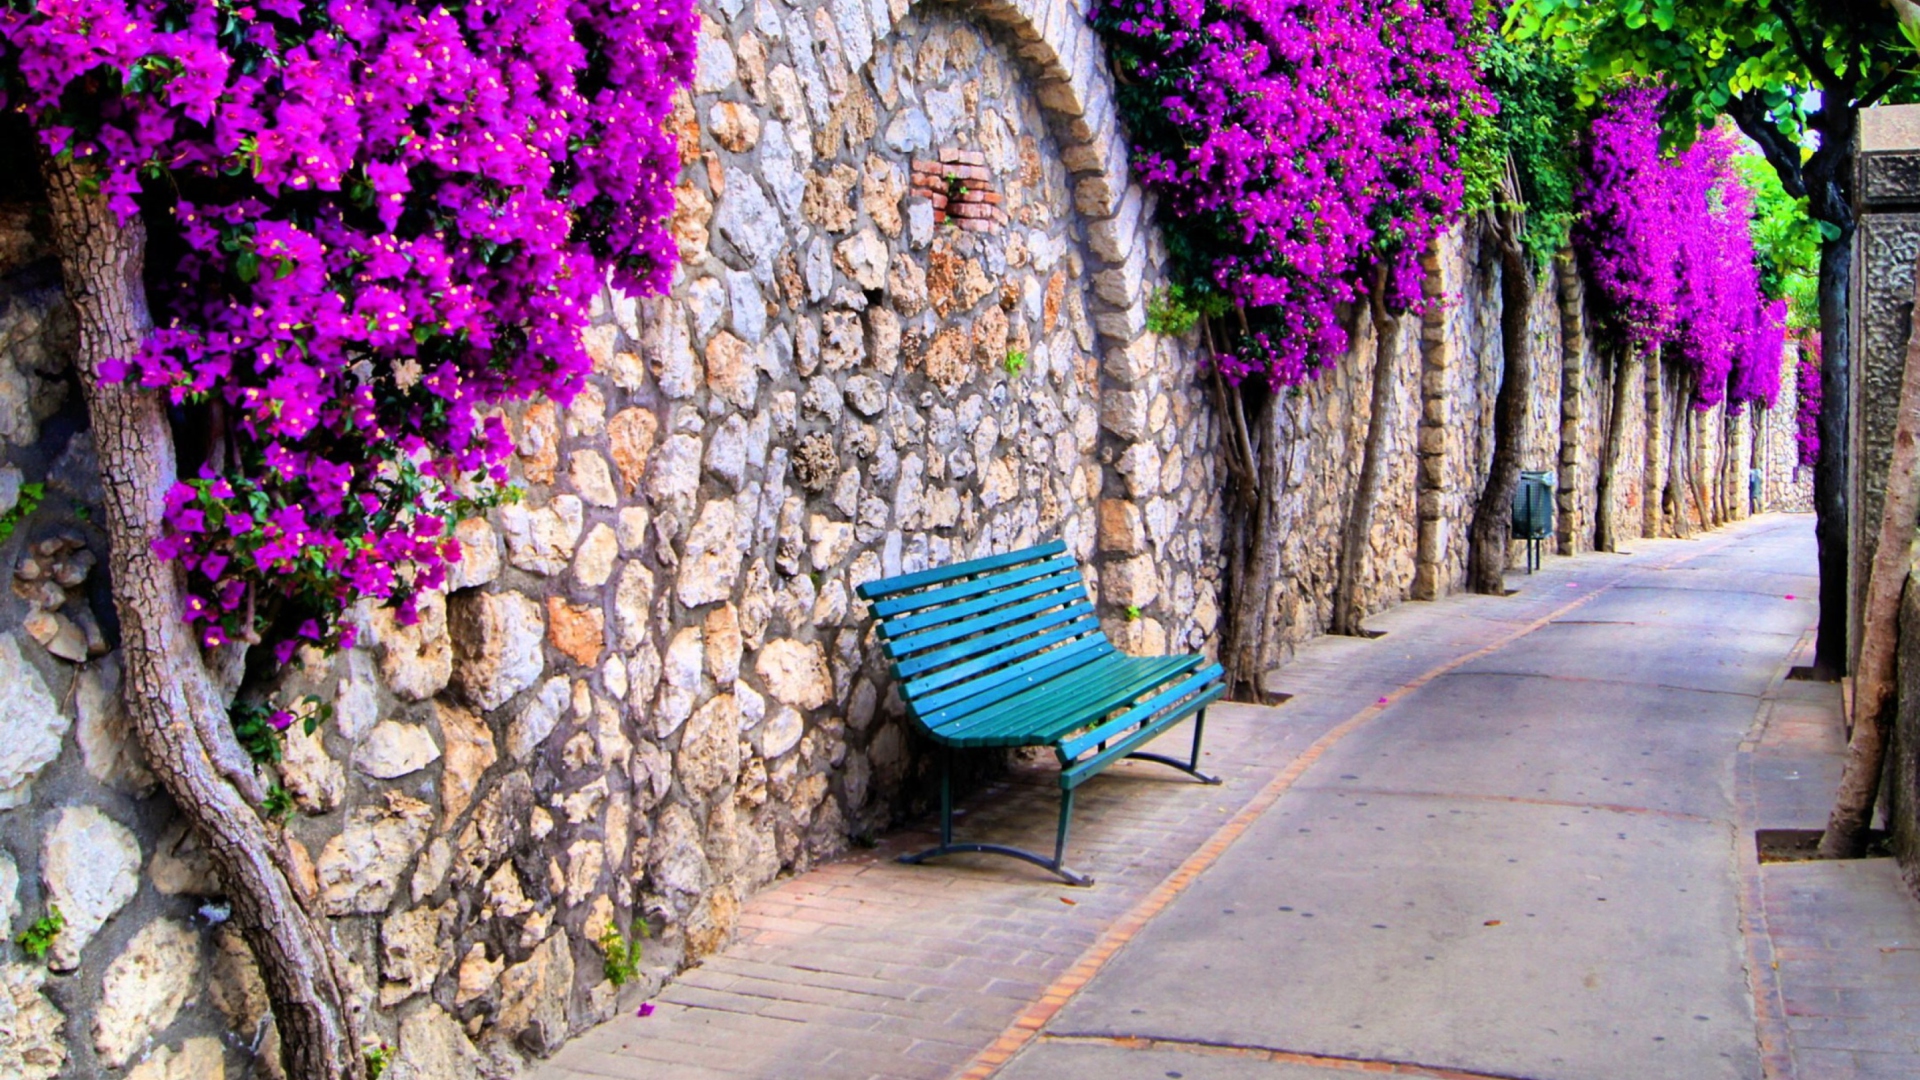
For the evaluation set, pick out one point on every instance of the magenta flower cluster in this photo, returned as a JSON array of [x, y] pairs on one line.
[[1806, 384], [372, 223], [1301, 150], [1667, 243]]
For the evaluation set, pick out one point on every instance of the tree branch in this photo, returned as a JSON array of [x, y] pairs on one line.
[[1781, 152], [1815, 61]]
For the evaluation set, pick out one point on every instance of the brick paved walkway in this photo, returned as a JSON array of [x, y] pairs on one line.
[[1844, 937], [868, 969]]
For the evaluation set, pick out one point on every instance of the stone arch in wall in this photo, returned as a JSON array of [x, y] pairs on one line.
[[908, 326]]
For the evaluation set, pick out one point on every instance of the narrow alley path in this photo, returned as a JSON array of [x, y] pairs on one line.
[[1510, 838]]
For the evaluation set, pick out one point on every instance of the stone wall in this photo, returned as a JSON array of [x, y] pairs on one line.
[[908, 327]]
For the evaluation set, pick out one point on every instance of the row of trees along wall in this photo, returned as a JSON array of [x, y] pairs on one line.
[[908, 277]]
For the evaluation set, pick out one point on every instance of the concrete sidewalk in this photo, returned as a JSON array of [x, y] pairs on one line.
[[1503, 840]]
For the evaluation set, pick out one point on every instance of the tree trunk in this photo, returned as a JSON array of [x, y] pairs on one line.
[[1253, 550], [1573, 369], [178, 713], [1355, 538], [1696, 458], [1653, 467], [1606, 515], [1873, 684], [1490, 538], [1830, 471], [1682, 524]]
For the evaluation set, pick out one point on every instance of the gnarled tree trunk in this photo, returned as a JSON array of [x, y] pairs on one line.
[[1873, 684], [1389, 328], [1653, 470], [1830, 471], [1677, 460], [1256, 466], [1490, 537], [178, 709], [1606, 533]]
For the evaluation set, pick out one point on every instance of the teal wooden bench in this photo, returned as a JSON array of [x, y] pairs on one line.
[[1005, 651]]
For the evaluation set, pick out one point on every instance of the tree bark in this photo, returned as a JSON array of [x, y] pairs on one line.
[[1606, 536], [1873, 684], [178, 714], [1490, 538], [1253, 550], [1677, 459], [1653, 467], [1354, 538], [1696, 458], [1830, 471]]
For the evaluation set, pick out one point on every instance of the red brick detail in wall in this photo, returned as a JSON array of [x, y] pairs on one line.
[[960, 187]]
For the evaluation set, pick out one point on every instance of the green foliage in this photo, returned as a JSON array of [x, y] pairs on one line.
[[1540, 120], [1016, 362], [278, 805], [31, 496], [1133, 612], [1786, 243], [956, 188], [1774, 66], [622, 961], [253, 726], [38, 937], [379, 1060], [261, 728], [1172, 311]]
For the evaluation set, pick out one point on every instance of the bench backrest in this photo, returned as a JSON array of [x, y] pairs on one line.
[[965, 636]]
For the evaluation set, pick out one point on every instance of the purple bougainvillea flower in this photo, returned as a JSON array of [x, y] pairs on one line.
[[390, 220]]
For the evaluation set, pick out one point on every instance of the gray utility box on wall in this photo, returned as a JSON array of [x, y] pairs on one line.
[[1533, 513]]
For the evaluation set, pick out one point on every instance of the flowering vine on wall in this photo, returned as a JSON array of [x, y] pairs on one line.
[[1309, 151], [370, 222], [1666, 241]]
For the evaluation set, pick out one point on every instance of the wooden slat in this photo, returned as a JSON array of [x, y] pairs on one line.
[[1080, 744], [1068, 585], [887, 609], [927, 661], [950, 684], [1063, 705], [1073, 776], [913, 644], [970, 698], [874, 590]]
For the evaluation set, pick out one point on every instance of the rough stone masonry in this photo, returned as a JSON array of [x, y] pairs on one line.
[[909, 326]]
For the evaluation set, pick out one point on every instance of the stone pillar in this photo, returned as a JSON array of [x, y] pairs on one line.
[[1430, 578], [1887, 202], [1573, 526]]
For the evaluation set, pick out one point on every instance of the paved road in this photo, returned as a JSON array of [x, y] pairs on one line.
[[1512, 838], [1526, 867]]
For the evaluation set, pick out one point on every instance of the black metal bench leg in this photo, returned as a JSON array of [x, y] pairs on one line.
[[1190, 767], [948, 847]]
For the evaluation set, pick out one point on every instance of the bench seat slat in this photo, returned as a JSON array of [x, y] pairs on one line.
[[898, 605], [1013, 663], [903, 647], [1049, 667], [1067, 586], [1065, 705], [1072, 748], [1072, 776], [875, 590], [1079, 615]]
